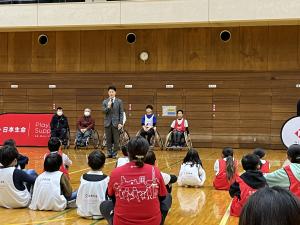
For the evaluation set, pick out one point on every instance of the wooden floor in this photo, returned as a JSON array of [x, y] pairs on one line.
[[191, 206]]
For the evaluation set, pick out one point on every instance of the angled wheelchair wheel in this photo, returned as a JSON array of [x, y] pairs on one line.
[[168, 140], [95, 139], [124, 137], [160, 141], [188, 140]]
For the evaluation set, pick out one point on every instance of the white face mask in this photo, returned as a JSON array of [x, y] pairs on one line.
[[87, 113], [59, 113]]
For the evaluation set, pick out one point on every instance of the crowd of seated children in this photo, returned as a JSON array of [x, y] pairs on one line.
[[15, 184], [148, 122], [59, 125], [191, 171], [246, 184], [169, 179], [271, 206], [139, 178], [85, 126], [92, 189], [54, 146], [178, 127], [264, 164], [225, 169], [52, 189], [288, 177], [123, 160]]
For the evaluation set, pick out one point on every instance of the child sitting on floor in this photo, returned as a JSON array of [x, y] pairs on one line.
[[15, 184], [54, 145], [225, 169], [246, 184], [191, 172], [92, 189], [264, 164], [123, 160], [52, 189]]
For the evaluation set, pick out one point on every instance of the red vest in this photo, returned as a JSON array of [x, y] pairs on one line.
[[246, 192], [62, 168], [220, 182], [181, 127], [294, 182], [265, 168]]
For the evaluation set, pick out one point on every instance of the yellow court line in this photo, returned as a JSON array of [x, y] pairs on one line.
[[77, 171], [226, 216], [44, 221]]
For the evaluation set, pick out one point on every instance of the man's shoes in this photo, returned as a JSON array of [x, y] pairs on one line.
[[114, 156], [108, 156]]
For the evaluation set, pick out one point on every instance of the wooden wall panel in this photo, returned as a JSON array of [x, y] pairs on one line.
[[43, 57], [19, 51], [3, 52], [68, 51]]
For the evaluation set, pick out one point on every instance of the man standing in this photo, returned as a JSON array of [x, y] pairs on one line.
[[113, 121]]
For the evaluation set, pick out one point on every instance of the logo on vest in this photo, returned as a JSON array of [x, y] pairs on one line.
[[297, 133], [91, 196]]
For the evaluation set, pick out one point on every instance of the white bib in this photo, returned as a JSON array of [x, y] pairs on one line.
[[47, 193], [10, 197], [189, 175], [149, 121]]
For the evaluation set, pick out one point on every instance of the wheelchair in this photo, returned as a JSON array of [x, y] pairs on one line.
[[155, 140], [123, 140], [92, 140], [67, 140], [186, 140]]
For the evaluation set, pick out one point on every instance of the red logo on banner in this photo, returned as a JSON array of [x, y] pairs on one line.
[[25, 129], [297, 133]]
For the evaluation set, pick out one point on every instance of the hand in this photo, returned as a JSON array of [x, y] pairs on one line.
[[109, 104], [120, 126], [82, 130]]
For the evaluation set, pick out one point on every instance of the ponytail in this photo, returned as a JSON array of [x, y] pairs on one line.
[[230, 168], [139, 162]]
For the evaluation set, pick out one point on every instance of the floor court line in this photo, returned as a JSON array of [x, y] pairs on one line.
[[225, 216], [43, 221], [77, 171]]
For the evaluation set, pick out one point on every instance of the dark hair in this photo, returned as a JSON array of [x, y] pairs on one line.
[[54, 144], [179, 110], [192, 156], [10, 142], [8, 155], [125, 150], [294, 153], [271, 206], [150, 158], [59, 108], [112, 88], [250, 162], [96, 160], [52, 162], [259, 152], [149, 107], [137, 150], [230, 167]]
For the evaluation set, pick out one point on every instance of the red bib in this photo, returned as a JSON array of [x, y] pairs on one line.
[[294, 182], [237, 204], [220, 182], [265, 168], [181, 127]]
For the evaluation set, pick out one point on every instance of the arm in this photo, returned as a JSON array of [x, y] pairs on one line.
[[278, 178], [92, 124], [234, 190], [121, 112], [52, 123], [202, 175], [67, 161], [79, 123], [216, 167], [186, 126], [65, 186], [66, 125], [105, 107], [20, 177]]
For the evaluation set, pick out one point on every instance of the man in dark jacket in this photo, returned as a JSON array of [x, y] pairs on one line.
[[59, 125]]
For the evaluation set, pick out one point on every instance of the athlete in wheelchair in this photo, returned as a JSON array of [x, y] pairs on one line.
[[149, 130], [86, 133], [179, 136], [60, 127]]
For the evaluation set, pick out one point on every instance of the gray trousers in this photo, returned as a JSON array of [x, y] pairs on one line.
[[112, 137]]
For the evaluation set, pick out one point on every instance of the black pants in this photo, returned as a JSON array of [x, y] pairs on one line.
[[107, 209], [148, 134], [60, 133], [177, 138], [112, 137]]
